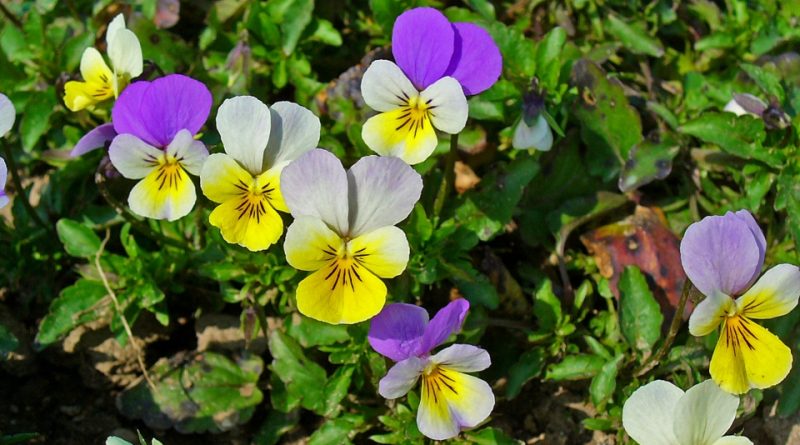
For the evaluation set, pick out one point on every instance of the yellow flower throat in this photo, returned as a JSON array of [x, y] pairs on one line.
[[253, 200], [414, 114], [344, 265], [435, 381], [170, 172]]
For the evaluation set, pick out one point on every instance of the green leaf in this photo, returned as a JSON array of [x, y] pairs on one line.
[[740, 136], [305, 380], [75, 305], [766, 80], [276, 425], [575, 367], [293, 16], [640, 315], [648, 161], [475, 286], [78, 240], [491, 436], [36, 117], [309, 332], [337, 431], [604, 383], [195, 394], [337, 388], [529, 365], [547, 307], [634, 37]]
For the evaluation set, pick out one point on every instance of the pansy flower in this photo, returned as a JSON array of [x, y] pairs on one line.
[[660, 413], [344, 231], [245, 180], [437, 64], [723, 256], [156, 123], [533, 131], [7, 117], [451, 399], [99, 81]]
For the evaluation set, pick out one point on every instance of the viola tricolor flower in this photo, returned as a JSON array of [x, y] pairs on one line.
[[156, 123], [99, 81], [437, 64], [660, 413], [245, 180], [533, 131], [723, 256], [451, 400], [344, 231], [7, 116]]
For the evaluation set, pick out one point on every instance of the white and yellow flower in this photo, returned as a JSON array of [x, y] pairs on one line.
[[259, 142], [99, 81]]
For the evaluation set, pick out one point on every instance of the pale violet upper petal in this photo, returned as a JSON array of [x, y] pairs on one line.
[[7, 115], [538, 137], [384, 87], [133, 157], [294, 130], [244, 124], [649, 413], [447, 104], [3, 174], [463, 358]]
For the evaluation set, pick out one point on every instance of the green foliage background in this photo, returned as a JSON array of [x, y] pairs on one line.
[[634, 92]]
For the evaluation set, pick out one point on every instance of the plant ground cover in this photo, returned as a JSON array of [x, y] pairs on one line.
[[567, 211]]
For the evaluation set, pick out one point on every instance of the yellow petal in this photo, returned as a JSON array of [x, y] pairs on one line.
[[310, 244], [342, 292], [271, 180], [406, 134], [383, 251], [748, 356], [223, 179], [249, 221], [452, 401], [79, 95], [774, 294], [165, 193]]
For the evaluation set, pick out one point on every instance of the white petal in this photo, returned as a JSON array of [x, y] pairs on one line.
[[733, 107], [115, 26], [648, 414], [704, 414], [733, 440], [191, 153], [3, 174], [709, 314], [7, 115], [384, 87], [133, 157], [463, 358], [244, 124], [401, 378], [294, 131], [448, 105], [774, 294], [316, 185], [382, 192], [539, 137], [114, 440], [125, 53]]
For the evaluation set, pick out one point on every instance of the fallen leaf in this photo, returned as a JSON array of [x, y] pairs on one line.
[[466, 179]]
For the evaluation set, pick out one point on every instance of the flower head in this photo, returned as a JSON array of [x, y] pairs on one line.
[[451, 400], [99, 81], [532, 130], [660, 413], [437, 64], [723, 256], [344, 231], [245, 180], [155, 124], [7, 115]]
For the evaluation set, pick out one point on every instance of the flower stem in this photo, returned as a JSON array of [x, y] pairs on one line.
[[674, 326], [447, 180], [12, 167], [100, 181]]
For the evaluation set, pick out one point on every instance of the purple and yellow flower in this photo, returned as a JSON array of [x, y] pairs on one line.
[[100, 83], [437, 64], [344, 231], [155, 124], [451, 400], [660, 413], [723, 256], [259, 142]]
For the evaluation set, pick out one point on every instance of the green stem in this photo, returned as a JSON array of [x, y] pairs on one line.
[[447, 180], [12, 167], [674, 327], [100, 180], [262, 317]]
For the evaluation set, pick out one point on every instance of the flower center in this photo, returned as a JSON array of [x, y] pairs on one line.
[[738, 333], [436, 380], [414, 115], [253, 200], [169, 172], [344, 266]]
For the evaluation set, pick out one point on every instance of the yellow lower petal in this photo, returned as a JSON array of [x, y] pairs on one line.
[[383, 251], [79, 95], [249, 221], [408, 135], [310, 245], [748, 356], [342, 292], [271, 180], [166, 193]]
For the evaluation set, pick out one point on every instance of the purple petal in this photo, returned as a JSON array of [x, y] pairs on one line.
[[447, 321], [721, 254], [156, 111], [422, 44], [760, 240], [476, 62], [382, 192], [94, 139], [396, 332]]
